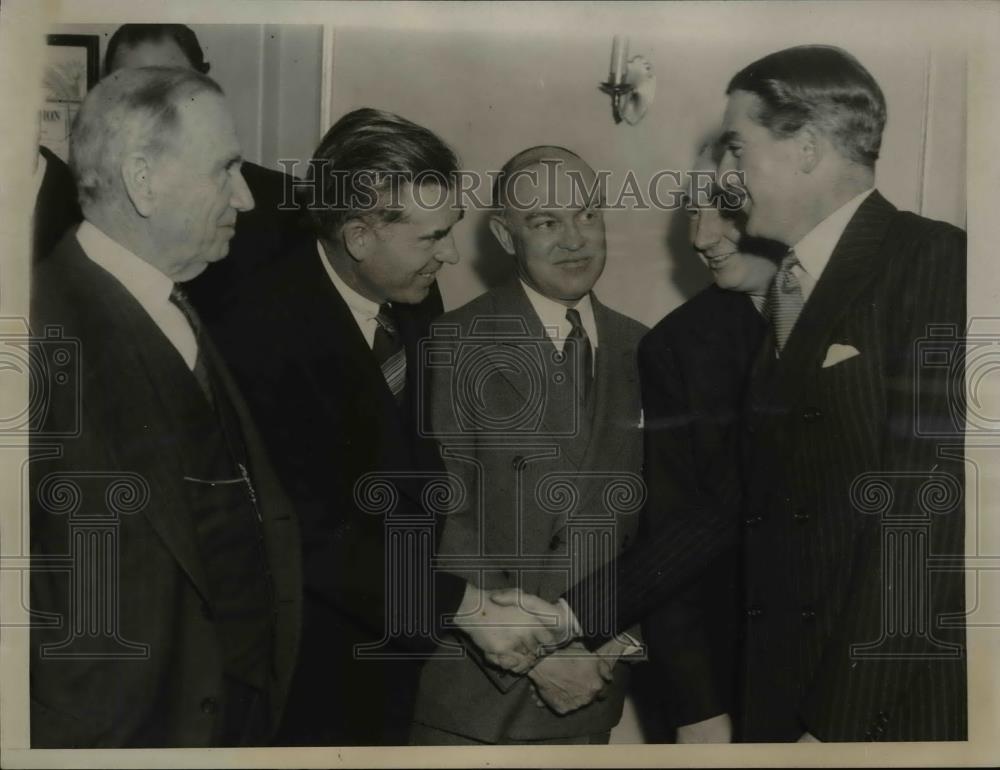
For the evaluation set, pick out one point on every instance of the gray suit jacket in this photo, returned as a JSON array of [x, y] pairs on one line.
[[543, 480]]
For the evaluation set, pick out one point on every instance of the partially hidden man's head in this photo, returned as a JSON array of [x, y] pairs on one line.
[[549, 218], [157, 164], [798, 123], [385, 204], [154, 45], [717, 231]]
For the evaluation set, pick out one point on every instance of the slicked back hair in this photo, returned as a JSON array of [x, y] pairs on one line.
[[823, 86], [365, 155], [131, 110], [131, 35]]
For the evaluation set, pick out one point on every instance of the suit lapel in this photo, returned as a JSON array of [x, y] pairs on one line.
[[181, 407], [354, 380], [515, 324], [855, 262]]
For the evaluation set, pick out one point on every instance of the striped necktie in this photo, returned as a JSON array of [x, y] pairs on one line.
[[389, 352], [784, 301]]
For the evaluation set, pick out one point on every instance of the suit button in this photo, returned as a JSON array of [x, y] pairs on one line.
[[754, 612], [808, 613], [210, 705], [753, 521], [801, 516], [811, 414], [883, 717], [516, 462], [555, 542], [206, 611]]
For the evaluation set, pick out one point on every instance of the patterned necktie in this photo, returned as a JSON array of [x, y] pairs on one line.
[[783, 303], [389, 352], [200, 371], [585, 353]]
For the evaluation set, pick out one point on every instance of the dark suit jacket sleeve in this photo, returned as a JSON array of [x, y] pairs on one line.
[[693, 524], [675, 632], [850, 697]]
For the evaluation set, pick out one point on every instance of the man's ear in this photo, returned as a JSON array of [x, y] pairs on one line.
[[358, 237], [501, 231], [811, 148], [136, 174]]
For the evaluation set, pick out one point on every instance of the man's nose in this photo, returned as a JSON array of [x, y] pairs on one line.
[[707, 229], [242, 198], [447, 252], [572, 239]]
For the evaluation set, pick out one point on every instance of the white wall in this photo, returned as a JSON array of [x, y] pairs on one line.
[[491, 95]]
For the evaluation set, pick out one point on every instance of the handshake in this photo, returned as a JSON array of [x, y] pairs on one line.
[[524, 634]]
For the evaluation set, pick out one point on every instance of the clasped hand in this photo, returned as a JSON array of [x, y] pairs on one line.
[[570, 678], [513, 629]]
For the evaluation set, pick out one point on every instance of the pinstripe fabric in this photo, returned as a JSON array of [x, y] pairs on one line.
[[814, 571], [820, 574]]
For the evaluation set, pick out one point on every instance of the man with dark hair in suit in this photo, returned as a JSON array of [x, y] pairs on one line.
[[154, 447], [845, 638], [325, 342], [587, 433], [844, 633]]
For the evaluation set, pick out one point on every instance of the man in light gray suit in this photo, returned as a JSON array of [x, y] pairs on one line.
[[533, 393]]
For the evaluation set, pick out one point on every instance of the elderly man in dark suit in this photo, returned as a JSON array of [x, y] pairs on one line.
[[854, 479], [325, 343], [180, 613], [513, 532]]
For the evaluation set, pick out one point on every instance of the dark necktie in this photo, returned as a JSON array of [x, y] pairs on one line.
[[784, 301], [201, 374], [578, 341], [389, 351]]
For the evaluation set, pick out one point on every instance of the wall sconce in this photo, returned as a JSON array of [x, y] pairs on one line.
[[631, 83]]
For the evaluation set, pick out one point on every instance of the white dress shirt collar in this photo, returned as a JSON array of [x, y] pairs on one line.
[[363, 309], [816, 247], [150, 288], [553, 317]]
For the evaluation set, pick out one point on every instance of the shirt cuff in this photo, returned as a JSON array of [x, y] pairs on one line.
[[574, 625]]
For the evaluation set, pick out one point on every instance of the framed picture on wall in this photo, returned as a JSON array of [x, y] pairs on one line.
[[71, 70]]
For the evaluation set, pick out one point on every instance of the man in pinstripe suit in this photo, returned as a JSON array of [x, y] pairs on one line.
[[853, 433], [845, 636]]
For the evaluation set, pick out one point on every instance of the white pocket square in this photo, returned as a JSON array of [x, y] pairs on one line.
[[838, 353]]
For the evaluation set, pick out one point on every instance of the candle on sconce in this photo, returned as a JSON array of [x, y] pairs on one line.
[[619, 57]]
